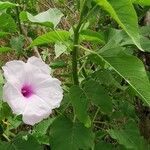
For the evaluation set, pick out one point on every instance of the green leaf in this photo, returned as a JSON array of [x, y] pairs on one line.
[[142, 2], [105, 146], [145, 43], [5, 110], [98, 95], [130, 68], [105, 77], [7, 146], [60, 48], [80, 104], [58, 64], [129, 137], [92, 36], [26, 143], [72, 136], [7, 23], [40, 131], [43, 126], [51, 37], [49, 18], [123, 12], [6, 5], [3, 34]]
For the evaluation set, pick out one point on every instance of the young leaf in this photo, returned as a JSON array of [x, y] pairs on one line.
[[51, 37], [98, 95], [72, 136], [124, 14], [60, 48], [80, 104], [49, 18]]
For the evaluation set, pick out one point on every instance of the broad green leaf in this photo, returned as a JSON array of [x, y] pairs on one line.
[[105, 146], [145, 30], [65, 134], [120, 38], [40, 131], [26, 143], [5, 110], [142, 2], [6, 5], [145, 43], [51, 37], [49, 18], [105, 77], [80, 104], [7, 23], [129, 137], [42, 127], [98, 95], [7, 146], [123, 12], [92, 36], [130, 68]]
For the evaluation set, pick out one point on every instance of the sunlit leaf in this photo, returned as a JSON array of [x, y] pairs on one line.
[[124, 13]]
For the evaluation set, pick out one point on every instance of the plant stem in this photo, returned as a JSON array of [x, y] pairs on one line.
[[18, 19], [74, 52]]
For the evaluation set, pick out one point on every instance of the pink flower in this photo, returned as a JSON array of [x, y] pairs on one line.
[[30, 90]]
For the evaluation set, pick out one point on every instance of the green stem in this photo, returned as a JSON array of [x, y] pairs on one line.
[[74, 52], [18, 19]]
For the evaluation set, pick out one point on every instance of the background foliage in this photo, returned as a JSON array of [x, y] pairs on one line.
[[99, 49]]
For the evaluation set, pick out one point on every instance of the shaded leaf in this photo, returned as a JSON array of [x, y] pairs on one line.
[[8, 24], [72, 136], [130, 68], [98, 95], [129, 137], [80, 104]]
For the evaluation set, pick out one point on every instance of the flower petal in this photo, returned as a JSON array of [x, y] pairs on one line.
[[40, 64], [36, 110], [14, 98], [51, 92], [13, 70]]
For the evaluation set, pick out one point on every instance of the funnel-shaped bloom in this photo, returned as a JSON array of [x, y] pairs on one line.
[[30, 90]]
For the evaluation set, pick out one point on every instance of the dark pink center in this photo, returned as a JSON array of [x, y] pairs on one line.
[[27, 91]]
